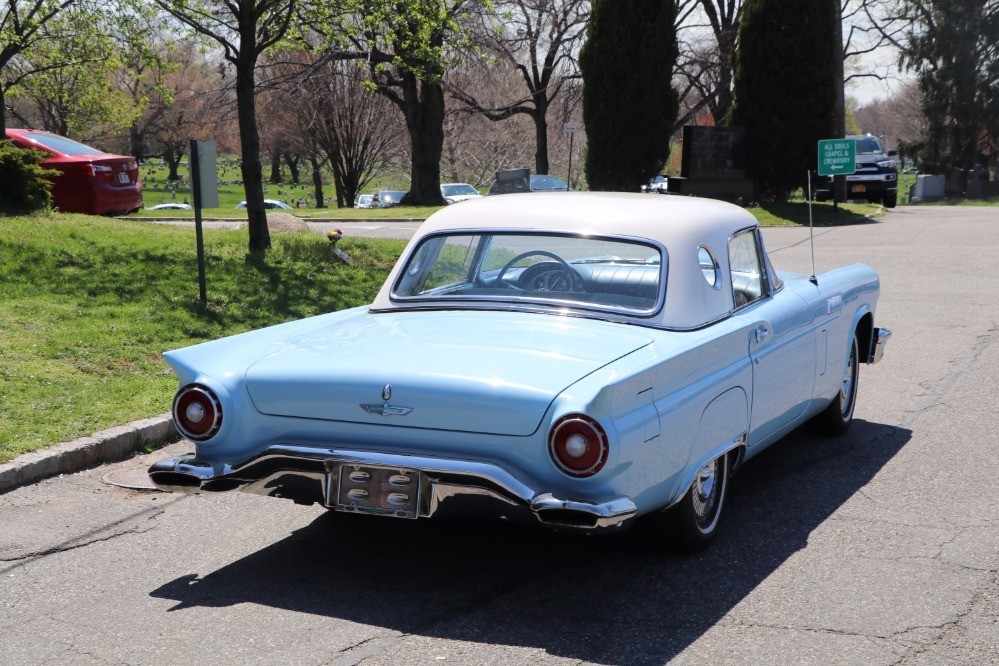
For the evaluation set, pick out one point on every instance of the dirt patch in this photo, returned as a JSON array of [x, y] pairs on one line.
[[282, 223]]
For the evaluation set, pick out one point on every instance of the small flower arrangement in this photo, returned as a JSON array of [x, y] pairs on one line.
[[333, 237]]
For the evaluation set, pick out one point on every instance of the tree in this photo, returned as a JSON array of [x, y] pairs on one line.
[[66, 81], [706, 68], [409, 46], [785, 114], [539, 40], [355, 130], [475, 146], [953, 47], [192, 101], [21, 28], [897, 119], [629, 104], [245, 29]]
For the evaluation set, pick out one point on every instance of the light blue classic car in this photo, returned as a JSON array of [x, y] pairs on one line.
[[575, 359]]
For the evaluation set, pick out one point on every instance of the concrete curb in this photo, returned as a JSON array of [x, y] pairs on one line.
[[105, 446]]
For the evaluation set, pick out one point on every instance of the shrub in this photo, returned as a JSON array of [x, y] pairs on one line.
[[629, 104], [24, 185], [785, 88]]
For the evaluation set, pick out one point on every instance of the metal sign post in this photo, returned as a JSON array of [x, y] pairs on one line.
[[204, 193], [811, 229], [571, 129]]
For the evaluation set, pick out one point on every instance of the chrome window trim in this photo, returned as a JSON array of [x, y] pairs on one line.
[[765, 290], [558, 312], [717, 285], [461, 302]]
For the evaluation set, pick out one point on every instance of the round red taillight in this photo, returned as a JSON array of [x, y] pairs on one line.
[[578, 445], [197, 412]]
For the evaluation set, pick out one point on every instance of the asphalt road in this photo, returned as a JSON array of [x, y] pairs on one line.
[[877, 547]]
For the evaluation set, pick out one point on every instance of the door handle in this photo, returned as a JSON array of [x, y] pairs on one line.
[[762, 333]]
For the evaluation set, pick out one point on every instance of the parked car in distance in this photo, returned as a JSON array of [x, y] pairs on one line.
[[578, 360], [455, 192], [91, 181], [171, 206], [269, 204], [387, 198], [363, 201], [513, 181], [911, 171], [658, 184], [876, 176]]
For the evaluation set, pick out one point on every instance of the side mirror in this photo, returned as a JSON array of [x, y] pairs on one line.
[[892, 153]]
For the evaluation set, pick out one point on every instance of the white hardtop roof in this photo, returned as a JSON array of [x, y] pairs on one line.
[[664, 218], [680, 224]]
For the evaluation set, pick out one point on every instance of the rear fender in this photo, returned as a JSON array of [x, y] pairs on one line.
[[723, 427]]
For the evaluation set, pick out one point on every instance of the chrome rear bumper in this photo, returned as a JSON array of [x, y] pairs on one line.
[[448, 487], [878, 343]]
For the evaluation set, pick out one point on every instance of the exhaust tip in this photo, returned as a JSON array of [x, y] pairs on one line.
[[175, 482], [567, 518]]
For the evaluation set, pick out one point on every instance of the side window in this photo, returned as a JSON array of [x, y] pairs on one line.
[[747, 274]]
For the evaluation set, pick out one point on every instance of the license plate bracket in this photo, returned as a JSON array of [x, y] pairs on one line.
[[384, 491]]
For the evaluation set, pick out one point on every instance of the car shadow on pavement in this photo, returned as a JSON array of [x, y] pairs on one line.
[[614, 600]]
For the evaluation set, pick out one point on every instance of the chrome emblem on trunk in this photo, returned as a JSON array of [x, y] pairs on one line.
[[386, 409]]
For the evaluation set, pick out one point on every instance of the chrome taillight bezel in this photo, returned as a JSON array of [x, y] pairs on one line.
[[571, 424], [206, 397]]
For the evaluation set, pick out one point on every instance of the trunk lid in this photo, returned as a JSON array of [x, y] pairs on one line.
[[484, 372]]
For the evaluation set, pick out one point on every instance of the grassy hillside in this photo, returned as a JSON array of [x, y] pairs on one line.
[[89, 304]]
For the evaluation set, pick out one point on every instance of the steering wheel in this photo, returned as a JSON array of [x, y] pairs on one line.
[[543, 276]]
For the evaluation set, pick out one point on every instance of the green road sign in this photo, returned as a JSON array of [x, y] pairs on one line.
[[837, 156]]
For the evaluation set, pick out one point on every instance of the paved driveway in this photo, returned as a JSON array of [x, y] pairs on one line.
[[877, 547]]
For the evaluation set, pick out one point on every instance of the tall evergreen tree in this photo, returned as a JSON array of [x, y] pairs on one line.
[[629, 104], [785, 87], [954, 50]]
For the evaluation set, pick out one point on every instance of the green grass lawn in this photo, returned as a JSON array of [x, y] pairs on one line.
[[795, 213], [90, 303], [156, 189]]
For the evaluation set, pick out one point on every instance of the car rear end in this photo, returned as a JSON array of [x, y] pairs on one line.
[[91, 181], [104, 185]]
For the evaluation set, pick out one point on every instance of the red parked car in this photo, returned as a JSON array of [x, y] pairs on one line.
[[91, 181]]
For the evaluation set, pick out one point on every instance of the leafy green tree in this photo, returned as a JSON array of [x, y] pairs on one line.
[[409, 46], [25, 186], [67, 79], [953, 47], [629, 105], [244, 29], [785, 87], [22, 26]]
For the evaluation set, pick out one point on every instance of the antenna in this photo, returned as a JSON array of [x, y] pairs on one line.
[[811, 229]]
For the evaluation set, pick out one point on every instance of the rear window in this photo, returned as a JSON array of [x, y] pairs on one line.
[[547, 183], [458, 190], [575, 271], [61, 144]]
